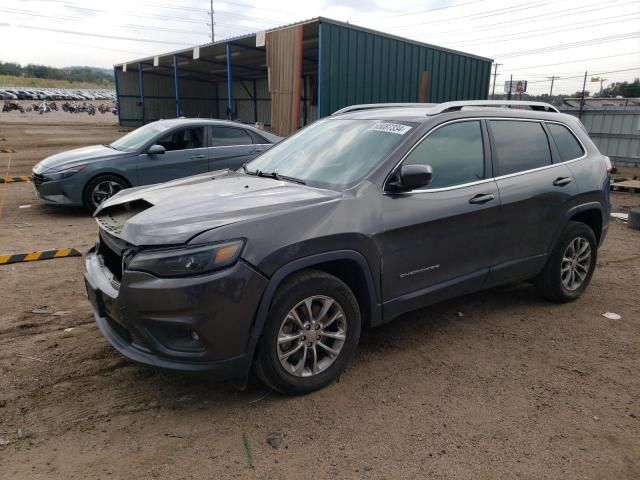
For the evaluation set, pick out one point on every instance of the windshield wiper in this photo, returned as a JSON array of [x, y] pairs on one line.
[[109, 146], [274, 175]]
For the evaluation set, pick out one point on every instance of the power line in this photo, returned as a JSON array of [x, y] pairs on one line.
[[594, 73], [433, 9], [578, 60], [87, 34], [565, 46], [574, 11], [549, 31], [488, 13]]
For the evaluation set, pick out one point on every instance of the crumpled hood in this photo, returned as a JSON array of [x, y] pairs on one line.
[[174, 212], [89, 154]]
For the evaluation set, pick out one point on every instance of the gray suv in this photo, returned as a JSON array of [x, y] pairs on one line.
[[349, 223]]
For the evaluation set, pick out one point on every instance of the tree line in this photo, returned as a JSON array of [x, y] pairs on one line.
[[71, 74]]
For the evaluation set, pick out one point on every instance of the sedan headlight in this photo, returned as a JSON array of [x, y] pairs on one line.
[[66, 173], [182, 262]]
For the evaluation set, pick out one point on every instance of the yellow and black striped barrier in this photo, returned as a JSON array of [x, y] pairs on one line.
[[33, 256], [22, 178]]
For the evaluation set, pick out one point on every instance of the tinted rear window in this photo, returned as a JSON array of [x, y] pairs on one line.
[[519, 146], [226, 136], [567, 145]]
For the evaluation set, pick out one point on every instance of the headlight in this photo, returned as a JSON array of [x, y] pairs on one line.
[[181, 262], [66, 173]]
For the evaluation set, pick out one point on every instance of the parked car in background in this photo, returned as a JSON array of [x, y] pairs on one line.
[[157, 152], [347, 224]]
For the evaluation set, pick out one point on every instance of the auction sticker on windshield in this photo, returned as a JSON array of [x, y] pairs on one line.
[[396, 128]]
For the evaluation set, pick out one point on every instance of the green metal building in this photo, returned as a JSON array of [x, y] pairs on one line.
[[288, 77]]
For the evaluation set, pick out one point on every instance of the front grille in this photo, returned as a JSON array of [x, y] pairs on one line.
[[38, 179], [110, 259]]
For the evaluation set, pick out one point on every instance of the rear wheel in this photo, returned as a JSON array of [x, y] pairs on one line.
[[312, 331], [100, 189], [570, 267]]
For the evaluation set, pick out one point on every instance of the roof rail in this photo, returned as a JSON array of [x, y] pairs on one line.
[[459, 105], [372, 106]]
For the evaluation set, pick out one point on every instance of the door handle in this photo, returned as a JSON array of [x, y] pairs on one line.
[[482, 198], [198, 157], [562, 181], [257, 150]]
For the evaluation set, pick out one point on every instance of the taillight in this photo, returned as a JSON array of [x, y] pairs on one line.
[[607, 163]]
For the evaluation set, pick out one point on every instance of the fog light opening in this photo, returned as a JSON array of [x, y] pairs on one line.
[[195, 336]]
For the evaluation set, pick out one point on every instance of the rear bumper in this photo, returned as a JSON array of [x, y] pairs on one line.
[[196, 324]]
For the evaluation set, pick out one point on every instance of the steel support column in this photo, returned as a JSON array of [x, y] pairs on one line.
[[319, 87], [176, 82], [229, 84], [255, 101], [115, 77], [141, 87]]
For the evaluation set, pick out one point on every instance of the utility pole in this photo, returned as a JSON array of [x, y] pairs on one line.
[[552, 78], [584, 85], [510, 86], [495, 74], [213, 37]]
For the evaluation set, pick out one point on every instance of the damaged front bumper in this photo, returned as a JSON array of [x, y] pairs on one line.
[[191, 324]]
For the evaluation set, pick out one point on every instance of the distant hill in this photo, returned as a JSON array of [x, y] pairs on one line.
[[100, 77]]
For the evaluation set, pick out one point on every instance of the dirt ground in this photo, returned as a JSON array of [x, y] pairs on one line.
[[497, 385]]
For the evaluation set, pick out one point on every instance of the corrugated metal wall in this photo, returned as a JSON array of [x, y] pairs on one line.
[[243, 103], [197, 98], [359, 66], [615, 132], [284, 60]]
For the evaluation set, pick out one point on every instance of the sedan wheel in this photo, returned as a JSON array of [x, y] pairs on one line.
[[101, 189]]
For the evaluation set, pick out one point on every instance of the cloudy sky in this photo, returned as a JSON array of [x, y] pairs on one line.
[[531, 39]]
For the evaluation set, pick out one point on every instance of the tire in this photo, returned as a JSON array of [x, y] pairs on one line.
[[558, 285], [90, 196], [302, 371], [634, 218]]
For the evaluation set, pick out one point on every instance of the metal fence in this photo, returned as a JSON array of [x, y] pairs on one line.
[[616, 132]]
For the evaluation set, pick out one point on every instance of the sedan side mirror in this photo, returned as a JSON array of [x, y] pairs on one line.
[[156, 150], [410, 177]]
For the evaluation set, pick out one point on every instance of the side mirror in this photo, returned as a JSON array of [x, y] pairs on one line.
[[156, 150], [410, 177]]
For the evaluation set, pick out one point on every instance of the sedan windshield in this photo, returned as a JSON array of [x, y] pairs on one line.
[[135, 140], [332, 153]]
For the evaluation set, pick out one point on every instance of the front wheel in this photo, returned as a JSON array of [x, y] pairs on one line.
[[311, 332], [100, 189], [571, 264]]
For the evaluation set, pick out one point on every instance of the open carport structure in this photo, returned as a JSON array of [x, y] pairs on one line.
[[289, 76]]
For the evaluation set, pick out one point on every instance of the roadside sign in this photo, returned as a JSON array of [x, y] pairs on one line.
[[517, 86], [196, 53], [260, 39], [156, 61], [595, 79]]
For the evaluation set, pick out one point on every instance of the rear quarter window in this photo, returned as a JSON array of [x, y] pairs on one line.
[[566, 143], [519, 145]]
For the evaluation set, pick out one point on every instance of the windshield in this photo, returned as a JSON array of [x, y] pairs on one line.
[[135, 140], [332, 153]]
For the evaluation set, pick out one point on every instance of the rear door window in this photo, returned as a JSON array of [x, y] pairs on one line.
[[227, 136], [455, 153], [182, 139], [566, 143], [519, 145]]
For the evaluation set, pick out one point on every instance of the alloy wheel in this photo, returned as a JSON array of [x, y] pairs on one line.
[[576, 262], [103, 191], [311, 336]]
